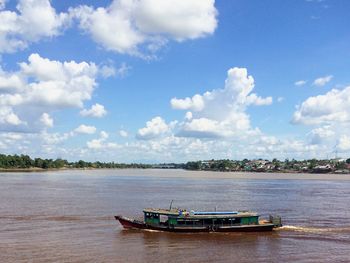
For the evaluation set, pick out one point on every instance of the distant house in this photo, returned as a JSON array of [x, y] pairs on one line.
[[322, 169]]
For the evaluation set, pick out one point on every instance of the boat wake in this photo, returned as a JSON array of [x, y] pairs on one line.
[[316, 230]]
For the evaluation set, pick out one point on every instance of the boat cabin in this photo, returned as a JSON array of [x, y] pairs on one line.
[[183, 218]]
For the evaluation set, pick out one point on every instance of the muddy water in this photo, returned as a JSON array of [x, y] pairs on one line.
[[68, 216]]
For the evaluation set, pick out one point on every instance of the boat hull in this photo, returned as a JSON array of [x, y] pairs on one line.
[[128, 223]]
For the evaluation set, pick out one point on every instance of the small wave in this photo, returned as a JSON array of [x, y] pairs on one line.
[[151, 230], [315, 230]]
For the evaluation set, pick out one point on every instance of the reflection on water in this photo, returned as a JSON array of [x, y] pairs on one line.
[[68, 216]]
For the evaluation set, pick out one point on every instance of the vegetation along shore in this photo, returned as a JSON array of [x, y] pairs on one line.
[[18, 163]]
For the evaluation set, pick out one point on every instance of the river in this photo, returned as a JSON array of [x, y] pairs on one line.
[[67, 216]]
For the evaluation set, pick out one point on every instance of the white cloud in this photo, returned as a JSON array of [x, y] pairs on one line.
[[221, 112], [46, 120], [33, 20], [188, 115], [258, 101], [53, 138], [107, 71], [332, 107], [41, 86], [8, 117], [123, 70], [180, 20], [10, 82], [97, 111], [195, 103], [101, 143], [59, 84], [94, 144], [300, 83], [110, 70], [104, 135], [85, 129], [320, 134], [123, 133], [127, 24], [154, 128], [344, 143], [322, 81]]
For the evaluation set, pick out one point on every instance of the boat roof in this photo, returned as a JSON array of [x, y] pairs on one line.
[[199, 214]]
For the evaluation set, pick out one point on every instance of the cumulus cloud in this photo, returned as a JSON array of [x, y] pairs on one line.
[[127, 24], [46, 120], [85, 129], [58, 84], [97, 111], [221, 112], [154, 128], [32, 21], [98, 143], [332, 107], [319, 82], [41, 86], [300, 83], [196, 103], [101, 143], [344, 143], [8, 117], [123, 133], [320, 134]]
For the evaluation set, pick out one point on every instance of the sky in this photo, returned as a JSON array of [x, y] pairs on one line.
[[175, 80]]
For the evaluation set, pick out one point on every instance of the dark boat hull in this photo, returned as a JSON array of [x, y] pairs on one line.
[[128, 223]]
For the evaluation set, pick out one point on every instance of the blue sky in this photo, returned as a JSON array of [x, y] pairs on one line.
[[155, 80]]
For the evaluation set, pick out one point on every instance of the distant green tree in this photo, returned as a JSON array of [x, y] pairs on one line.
[[312, 164], [340, 165], [193, 165]]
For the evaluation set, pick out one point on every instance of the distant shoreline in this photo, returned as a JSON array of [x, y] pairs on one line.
[[38, 169]]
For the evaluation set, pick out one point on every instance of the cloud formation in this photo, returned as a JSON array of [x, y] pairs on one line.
[[319, 82], [300, 83], [221, 112], [154, 128], [41, 86], [332, 107], [96, 110], [46, 120], [134, 27], [125, 25], [85, 129], [32, 21]]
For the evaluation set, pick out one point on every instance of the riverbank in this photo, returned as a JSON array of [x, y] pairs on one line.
[[38, 169]]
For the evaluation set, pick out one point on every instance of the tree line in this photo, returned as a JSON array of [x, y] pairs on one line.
[[25, 161]]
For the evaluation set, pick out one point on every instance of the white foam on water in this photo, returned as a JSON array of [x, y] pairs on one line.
[[313, 229]]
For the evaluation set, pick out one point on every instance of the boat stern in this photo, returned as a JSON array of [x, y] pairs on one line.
[[275, 220]]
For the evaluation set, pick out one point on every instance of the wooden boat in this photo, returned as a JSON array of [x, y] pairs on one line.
[[177, 220]]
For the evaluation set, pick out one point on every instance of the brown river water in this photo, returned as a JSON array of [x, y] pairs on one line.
[[67, 216]]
